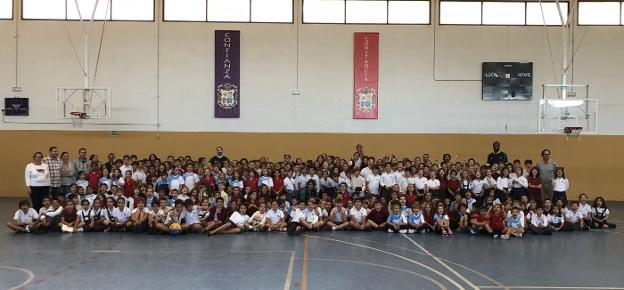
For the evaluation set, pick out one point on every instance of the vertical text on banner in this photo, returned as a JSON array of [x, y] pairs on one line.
[[366, 75], [227, 74]]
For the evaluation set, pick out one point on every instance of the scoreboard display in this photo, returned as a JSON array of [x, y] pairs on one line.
[[507, 81]]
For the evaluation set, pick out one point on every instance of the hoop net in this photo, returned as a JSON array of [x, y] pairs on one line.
[[78, 118]]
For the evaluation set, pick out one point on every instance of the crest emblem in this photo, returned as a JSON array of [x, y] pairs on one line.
[[227, 96], [366, 99]]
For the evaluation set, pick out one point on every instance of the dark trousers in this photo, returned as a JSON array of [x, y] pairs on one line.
[[517, 193], [389, 226], [560, 195], [540, 231], [37, 193], [56, 192]]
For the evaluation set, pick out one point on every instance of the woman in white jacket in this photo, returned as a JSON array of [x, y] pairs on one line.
[[37, 178]]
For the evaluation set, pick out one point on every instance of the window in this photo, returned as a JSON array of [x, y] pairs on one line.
[[502, 12], [366, 11], [229, 10], [551, 13], [135, 10], [6, 9], [599, 13], [271, 10], [460, 12], [408, 12]]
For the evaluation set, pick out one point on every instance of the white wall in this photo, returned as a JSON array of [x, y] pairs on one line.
[[410, 100]]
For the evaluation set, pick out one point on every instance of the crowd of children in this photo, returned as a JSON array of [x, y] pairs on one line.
[[330, 193]]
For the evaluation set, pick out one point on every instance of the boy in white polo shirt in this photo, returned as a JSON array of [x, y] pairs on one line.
[[24, 218], [357, 216]]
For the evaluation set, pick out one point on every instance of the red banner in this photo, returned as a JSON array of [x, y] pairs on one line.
[[365, 75]]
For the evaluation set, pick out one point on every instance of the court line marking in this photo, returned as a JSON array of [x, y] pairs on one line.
[[395, 255], [552, 287], [291, 266], [442, 287], [31, 276], [304, 267], [106, 251], [443, 259], [460, 276]]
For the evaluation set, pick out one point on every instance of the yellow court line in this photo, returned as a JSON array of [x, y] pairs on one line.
[[304, 267]]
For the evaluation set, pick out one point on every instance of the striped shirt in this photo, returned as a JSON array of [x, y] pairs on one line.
[[55, 170]]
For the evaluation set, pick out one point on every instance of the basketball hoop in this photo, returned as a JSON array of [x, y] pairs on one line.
[[78, 118], [572, 131]]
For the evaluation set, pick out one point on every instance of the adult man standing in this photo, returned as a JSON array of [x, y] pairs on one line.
[[219, 158], [497, 156], [547, 169], [54, 165], [82, 163]]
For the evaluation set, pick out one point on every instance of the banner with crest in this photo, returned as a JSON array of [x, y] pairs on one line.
[[366, 75], [227, 74]]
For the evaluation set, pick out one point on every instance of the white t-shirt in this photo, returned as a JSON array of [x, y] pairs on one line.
[[296, 215], [387, 179], [122, 216], [476, 186], [539, 220], [561, 184], [553, 219], [86, 215], [239, 219], [28, 217], [275, 216], [585, 210], [420, 182], [37, 175], [358, 214], [433, 184], [373, 183], [191, 217], [572, 216], [311, 216]]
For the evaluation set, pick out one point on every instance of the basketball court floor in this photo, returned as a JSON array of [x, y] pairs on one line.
[[325, 260]]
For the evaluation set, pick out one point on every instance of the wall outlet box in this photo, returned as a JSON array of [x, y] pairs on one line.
[[17, 89]]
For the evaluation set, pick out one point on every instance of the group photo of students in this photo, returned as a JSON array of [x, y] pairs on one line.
[[172, 195]]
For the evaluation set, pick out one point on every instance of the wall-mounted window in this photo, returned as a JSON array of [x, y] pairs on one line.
[[280, 11], [600, 13], [366, 11], [6, 9], [502, 13], [131, 10]]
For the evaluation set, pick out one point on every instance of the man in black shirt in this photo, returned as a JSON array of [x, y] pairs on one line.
[[219, 158], [497, 156]]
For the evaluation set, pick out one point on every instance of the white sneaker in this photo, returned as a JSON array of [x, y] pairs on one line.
[[505, 237], [519, 236], [333, 228], [410, 231], [423, 231], [27, 228], [80, 230], [390, 231], [473, 232], [403, 231], [495, 237]]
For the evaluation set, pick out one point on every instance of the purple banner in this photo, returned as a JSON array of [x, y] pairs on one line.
[[227, 74]]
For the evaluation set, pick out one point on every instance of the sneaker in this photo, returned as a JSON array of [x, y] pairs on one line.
[[80, 230], [27, 229], [333, 228], [444, 233], [390, 231], [519, 236], [495, 237], [403, 231], [505, 237], [410, 231], [473, 232], [423, 231]]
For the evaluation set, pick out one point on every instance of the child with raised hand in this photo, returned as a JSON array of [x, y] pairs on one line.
[[397, 222], [69, 218], [416, 220], [556, 219], [600, 214], [237, 222], [515, 224], [441, 220], [86, 216], [357, 216], [338, 218], [24, 218], [257, 221], [539, 223]]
